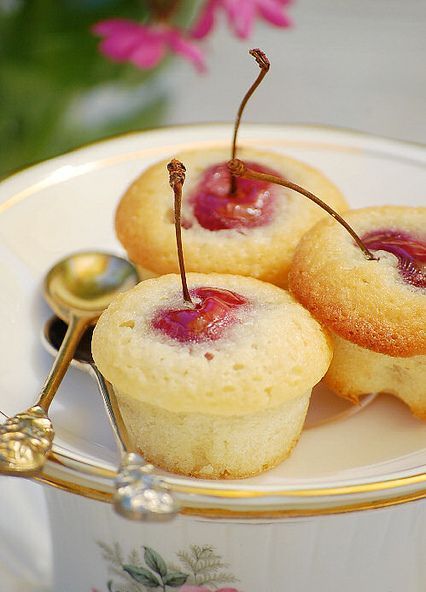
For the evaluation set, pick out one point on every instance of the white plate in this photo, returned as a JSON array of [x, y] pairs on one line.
[[68, 203]]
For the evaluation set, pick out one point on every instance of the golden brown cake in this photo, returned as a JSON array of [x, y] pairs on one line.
[[252, 233], [356, 371], [217, 391], [376, 309]]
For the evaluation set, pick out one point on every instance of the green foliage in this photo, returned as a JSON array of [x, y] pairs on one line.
[[113, 555], [206, 567], [142, 575], [202, 566], [159, 575], [175, 578], [48, 60], [155, 561]]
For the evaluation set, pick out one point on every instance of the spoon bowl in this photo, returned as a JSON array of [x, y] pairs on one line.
[[84, 283]]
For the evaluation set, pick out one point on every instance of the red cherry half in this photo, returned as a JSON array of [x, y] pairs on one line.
[[216, 209], [410, 251], [214, 311]]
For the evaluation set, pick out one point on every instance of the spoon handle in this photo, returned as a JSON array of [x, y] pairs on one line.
[[114, 416], [139, 495], [76, 328], [26, 438]]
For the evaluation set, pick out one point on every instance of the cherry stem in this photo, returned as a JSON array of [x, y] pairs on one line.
[[177, 179], [264, 65], [238, 168]]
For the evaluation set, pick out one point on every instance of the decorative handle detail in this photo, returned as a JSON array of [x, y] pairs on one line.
[[25, 440], [139, 495]]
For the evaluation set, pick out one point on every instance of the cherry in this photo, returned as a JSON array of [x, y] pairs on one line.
[[213, 312], [216, 208], [220, 201], [410, 251]]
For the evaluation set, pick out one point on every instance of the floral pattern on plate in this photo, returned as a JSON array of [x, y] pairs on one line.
[[197, 569]]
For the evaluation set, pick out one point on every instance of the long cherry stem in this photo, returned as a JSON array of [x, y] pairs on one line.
[[239, 169], [264, 65], [177, 179]]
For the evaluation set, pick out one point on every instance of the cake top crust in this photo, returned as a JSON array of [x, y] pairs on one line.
[[370, 303], [275, 351], [144, 219]]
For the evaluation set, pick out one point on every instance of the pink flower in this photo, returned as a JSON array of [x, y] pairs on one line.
[[144, 46], [241, 15]]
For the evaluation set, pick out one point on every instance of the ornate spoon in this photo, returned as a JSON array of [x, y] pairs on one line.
[[138, 495], [78, 289]]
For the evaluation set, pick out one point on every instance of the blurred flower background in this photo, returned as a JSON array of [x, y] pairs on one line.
[[73, 71], [58, 90]]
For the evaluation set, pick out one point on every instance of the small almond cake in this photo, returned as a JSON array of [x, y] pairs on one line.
[[216, 390], [252, 232], [375, 309]]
